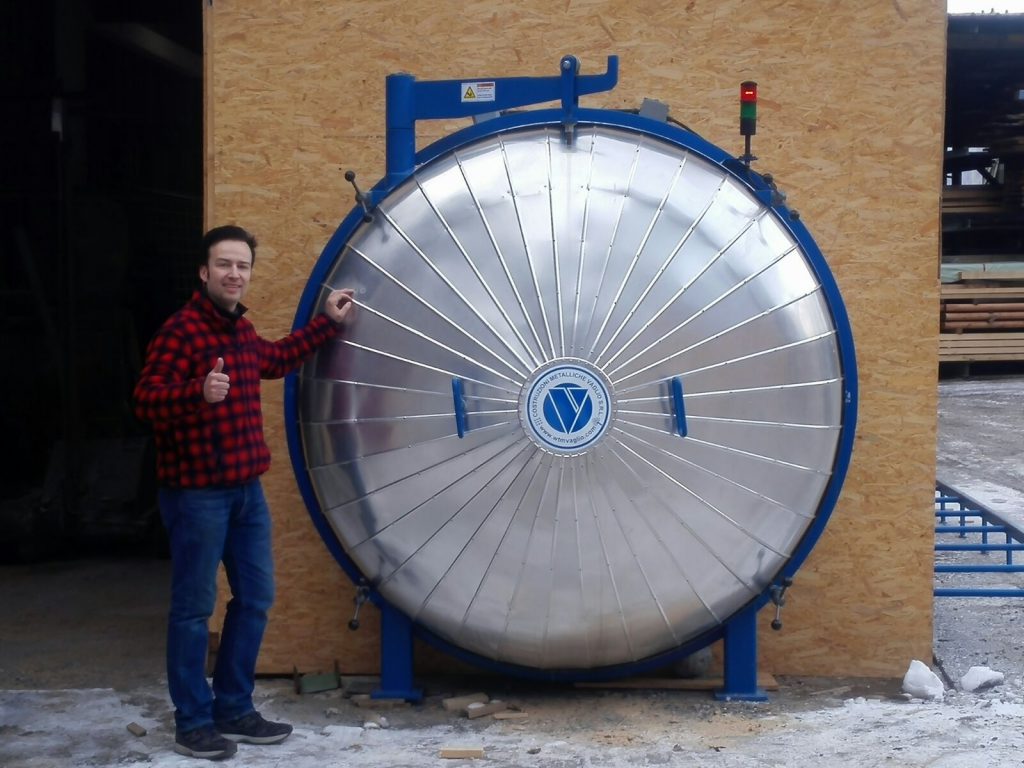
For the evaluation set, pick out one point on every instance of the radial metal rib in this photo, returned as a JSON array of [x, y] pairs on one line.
[[526, 364], [702, 342], [664, 307], [632, 265], [529, 255]]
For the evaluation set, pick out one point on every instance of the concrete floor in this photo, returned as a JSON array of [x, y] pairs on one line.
[[83, 623]]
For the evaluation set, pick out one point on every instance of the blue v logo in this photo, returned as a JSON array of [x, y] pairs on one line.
[[568, 408]]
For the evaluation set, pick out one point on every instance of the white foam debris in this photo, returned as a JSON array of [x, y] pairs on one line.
[[921, 683], [980, 678]]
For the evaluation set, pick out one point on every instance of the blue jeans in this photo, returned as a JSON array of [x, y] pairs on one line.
[[206, 527]]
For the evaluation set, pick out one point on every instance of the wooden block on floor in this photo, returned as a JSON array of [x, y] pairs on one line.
[[136, 730], [461, 752], [459, 703], [765, 681], [366, 701], [506, 715], [479, 708], [353, 684]]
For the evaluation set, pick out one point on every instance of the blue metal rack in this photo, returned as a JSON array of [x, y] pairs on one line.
[[958, 514]]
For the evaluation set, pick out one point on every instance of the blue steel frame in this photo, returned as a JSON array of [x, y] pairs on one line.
[[408, 101]]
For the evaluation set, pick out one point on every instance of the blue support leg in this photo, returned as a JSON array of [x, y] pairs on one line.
[[396, 657], [741, 660]]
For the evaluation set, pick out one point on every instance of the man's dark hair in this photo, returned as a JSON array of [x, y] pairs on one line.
[[226, 232]]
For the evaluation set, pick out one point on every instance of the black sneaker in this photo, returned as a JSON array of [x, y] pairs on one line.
[[253, 729], [203, 742]]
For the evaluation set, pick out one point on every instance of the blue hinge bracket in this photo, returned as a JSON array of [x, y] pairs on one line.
[[409, 100]]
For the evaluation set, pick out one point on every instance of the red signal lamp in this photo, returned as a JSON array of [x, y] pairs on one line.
[[748, 108]]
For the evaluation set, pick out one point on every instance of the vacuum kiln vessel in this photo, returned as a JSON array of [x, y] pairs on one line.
[[598, 397]]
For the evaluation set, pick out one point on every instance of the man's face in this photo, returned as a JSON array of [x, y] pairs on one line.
[[226, 273]]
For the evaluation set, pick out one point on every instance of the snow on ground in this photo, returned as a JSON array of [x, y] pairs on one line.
[[88, 728], [802, 726]]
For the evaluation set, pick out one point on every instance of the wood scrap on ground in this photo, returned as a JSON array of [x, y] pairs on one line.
[[461, 752], [459, 703]]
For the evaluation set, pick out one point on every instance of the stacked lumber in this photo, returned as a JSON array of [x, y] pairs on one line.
[[972, 315], [982, 317], [982, 198]]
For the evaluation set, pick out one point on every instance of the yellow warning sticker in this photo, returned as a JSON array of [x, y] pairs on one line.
[[478, 91]]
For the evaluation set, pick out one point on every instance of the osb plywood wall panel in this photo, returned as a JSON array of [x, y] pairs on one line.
[[851, 126]]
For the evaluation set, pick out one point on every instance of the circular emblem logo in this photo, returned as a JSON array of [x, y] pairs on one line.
[[566, 407]]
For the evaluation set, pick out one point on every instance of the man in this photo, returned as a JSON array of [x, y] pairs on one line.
[[200, 389]]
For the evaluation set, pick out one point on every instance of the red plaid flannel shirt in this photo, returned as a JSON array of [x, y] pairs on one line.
[[201, 444]]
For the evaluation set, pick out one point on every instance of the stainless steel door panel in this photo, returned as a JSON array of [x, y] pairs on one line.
[[617, 264], [412, 552], [712, 337], [406, 316], [366, 362], [365, 516], [731, 494], [483, 281], [334, 401]]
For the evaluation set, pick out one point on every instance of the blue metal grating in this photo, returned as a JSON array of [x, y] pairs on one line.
[[963, 525]]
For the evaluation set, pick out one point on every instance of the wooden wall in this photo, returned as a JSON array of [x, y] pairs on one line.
[[850, 123]]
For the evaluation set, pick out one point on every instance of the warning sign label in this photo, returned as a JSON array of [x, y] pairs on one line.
[[478, 91]]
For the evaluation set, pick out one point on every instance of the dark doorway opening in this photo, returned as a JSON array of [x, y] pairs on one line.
[[102, 181]]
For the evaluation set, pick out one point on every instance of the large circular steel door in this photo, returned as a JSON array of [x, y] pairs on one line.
[[575, 309]]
